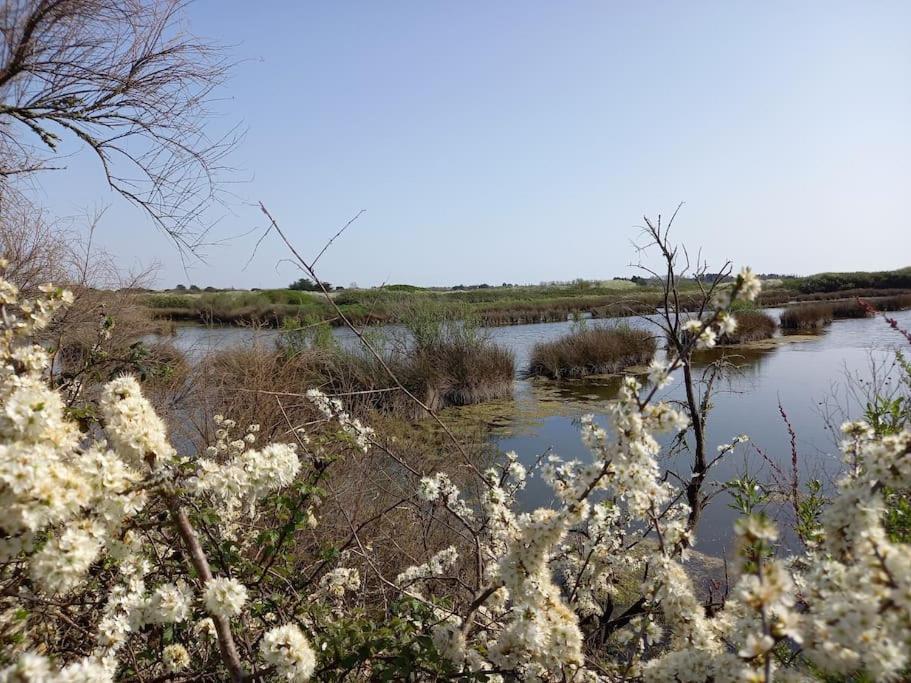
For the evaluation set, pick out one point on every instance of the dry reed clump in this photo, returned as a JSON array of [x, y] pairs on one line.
[[449, 372], [751, 326], [897, 302], [849, 308], [807, 317], [592, 351], [457, 372], [864, 292]]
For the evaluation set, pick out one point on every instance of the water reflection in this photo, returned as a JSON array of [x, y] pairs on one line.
[[800, 373]]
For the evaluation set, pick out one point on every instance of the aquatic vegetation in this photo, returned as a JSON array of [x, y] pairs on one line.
[[807, 316], [592, 351], [751, 326]]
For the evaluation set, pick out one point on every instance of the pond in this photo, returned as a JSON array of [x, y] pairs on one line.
[[806, 376]]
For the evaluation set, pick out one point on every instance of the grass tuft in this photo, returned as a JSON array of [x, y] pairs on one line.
[[751, 326], [592, 351], [807, 317]]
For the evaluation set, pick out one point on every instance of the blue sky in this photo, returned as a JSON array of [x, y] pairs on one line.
[[523, 141]]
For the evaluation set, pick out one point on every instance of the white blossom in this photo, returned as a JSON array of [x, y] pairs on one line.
[[287, 648], [224, 596]]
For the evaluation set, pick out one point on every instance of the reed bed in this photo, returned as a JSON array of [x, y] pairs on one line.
[[897, 302], [592, 351], [865, 293], [751, 326], [458, 372], [491, 307], [446, 373], [848, 308], [852, 308], [807, 317]]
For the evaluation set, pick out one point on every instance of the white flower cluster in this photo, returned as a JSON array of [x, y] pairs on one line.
[[436, 566], [336, 583], [440, 488], [707, 332], [53, 487], [288, 650], [135, 431], [248, 476], [333, 409], [224, 597], [69, 505]]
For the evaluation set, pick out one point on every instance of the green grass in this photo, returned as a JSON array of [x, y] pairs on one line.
[[504, 305], [831, 282]]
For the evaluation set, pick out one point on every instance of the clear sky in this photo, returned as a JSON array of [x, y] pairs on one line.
[[523, 141]]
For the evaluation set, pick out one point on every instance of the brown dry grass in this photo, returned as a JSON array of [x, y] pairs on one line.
[[592, 351], [807, 317], [751, 326]]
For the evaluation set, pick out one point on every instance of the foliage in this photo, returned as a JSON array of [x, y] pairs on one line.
[[305, 284], [830, 282]]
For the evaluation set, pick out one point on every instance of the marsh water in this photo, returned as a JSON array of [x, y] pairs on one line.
[[815, 379]]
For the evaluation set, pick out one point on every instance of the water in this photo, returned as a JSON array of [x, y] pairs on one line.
[[807, 378]]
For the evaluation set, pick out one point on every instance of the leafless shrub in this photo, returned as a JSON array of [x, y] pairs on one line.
[[123, 78]]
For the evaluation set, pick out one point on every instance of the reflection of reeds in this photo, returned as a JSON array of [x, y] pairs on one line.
[[592, 351], [807, 316]]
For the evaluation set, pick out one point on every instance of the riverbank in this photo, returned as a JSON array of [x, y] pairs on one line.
[[491, 307]]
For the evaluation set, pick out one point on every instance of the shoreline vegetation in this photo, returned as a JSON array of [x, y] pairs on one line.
[[752, 326], [441, 360], [510, 305], [805, 317]]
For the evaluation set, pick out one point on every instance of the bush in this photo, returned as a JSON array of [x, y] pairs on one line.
[[830, 282], [592, 351]]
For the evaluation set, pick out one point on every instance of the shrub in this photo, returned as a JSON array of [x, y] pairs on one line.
[[830, 282], [592, 351], [443, 363]]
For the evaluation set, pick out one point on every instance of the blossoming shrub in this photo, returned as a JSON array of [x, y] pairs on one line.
[[123, 558]]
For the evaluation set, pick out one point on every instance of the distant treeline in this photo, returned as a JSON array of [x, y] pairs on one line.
[[832, 282]]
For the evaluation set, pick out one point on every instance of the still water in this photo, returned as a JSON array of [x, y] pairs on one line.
[[809, 378]]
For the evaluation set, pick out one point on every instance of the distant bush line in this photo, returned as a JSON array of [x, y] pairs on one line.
[[495, 306]]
